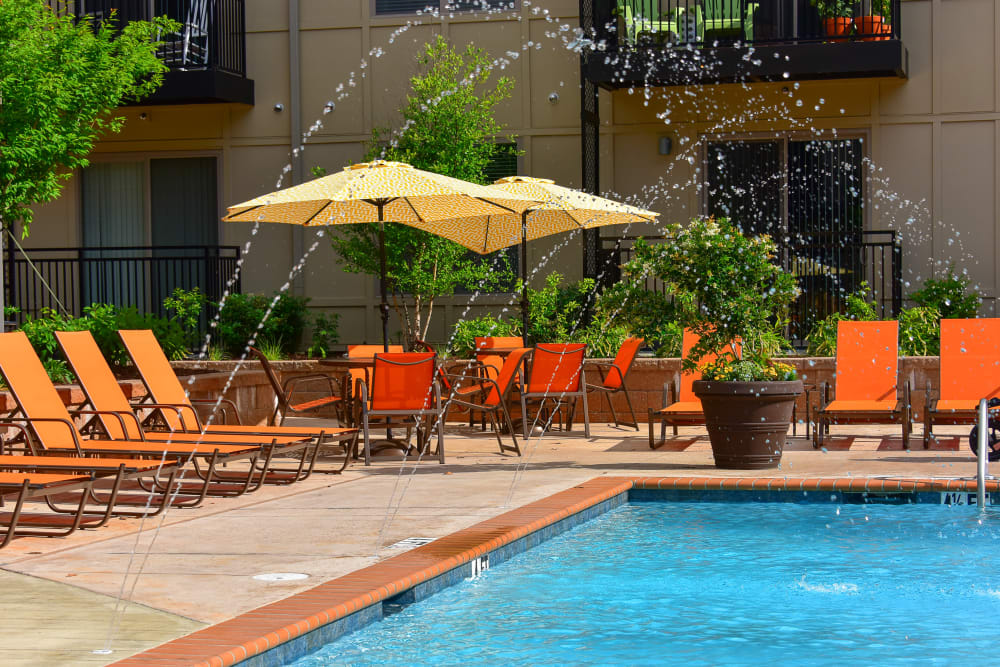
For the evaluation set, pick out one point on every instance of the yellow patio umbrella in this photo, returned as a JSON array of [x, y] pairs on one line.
[[550, 209], [377, 192]]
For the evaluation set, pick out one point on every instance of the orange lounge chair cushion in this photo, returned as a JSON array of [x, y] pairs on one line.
[[326, 400], [957, 405], [861, 406], [682, 407]]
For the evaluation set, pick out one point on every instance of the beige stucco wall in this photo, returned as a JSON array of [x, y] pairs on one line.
[[933, 136]]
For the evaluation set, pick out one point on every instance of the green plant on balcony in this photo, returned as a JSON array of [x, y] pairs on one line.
[[829, 9]]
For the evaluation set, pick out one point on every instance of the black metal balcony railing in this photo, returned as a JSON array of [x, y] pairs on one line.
[[827, 270], [627, 24], [212, 33], [72, 278]]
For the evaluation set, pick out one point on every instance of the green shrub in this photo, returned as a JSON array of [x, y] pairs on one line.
[[187, 307], [557, 311], [325, 334], [822, 338], [644, 313], [241, 320], [948, 296], [463, 343], [919, 332], [602, 341], [103, 322]]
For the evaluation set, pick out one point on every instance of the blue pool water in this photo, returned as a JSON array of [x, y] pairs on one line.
[[716, 583]]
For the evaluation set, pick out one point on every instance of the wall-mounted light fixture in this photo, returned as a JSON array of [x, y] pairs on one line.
[[666, 145]]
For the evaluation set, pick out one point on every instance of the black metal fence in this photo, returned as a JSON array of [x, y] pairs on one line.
[[827, 273], [632, 23], [212, 33], [71, 278]]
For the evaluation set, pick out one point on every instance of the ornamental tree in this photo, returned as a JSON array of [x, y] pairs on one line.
[[725, 287], [448, 127], [60, 82]]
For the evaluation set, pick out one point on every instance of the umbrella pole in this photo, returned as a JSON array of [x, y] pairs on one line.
[[382, 283], [524, 278]]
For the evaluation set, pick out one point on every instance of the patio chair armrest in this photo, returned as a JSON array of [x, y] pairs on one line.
[[179, 409], [219, 401], [19, 427], [290, 383], [117, 414], [58, 420]]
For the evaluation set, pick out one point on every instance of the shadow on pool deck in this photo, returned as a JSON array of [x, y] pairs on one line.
[[200, 562]]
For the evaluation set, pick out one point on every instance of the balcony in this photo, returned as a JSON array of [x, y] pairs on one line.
[[206, 56], [68, 279], [690, 42]]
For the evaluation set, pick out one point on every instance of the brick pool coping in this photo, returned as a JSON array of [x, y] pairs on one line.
[[268, 628]]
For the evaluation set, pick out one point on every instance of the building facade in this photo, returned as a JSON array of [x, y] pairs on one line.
[[896, 132]]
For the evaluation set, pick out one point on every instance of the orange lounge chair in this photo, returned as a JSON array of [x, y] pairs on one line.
[[114, 417], [970, 371], [613, 377], [865, 389], [166, 396], [488, 395], [556, 374], [21, 487], [53, 431], [403, 391], [680, 406]]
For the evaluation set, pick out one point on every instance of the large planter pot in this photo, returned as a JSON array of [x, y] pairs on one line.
[[838, 26], [870, 26], [747, 421]]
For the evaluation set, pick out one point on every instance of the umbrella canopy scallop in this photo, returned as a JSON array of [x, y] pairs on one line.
[[376, 192], [555, 209]]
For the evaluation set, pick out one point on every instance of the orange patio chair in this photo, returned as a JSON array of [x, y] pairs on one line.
[[970, 371], [865, 390], [556, 374], [284, 393], [680, 406], [404, 394], [114, 416], [166, 395], [494, 362], [613, 377], [356, 375], [489, 395]]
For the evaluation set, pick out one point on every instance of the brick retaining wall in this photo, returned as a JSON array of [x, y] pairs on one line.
[[255, 400]]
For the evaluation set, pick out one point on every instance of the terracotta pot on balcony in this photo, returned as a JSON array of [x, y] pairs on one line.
[[838, 27], [871, 26]]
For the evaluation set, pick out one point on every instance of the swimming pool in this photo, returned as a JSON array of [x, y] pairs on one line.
[[716, 583]]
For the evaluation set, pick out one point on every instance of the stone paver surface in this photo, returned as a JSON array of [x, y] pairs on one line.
[[194, 567]]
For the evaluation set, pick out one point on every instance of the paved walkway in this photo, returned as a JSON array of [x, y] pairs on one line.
[[196, 567]]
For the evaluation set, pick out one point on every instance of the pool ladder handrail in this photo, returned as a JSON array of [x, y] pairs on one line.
[[983, 453]]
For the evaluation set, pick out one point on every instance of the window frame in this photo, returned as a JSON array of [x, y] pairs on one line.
[[784, 138], [441, 4]]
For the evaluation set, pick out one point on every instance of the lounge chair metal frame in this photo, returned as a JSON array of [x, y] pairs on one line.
[[285, 391]]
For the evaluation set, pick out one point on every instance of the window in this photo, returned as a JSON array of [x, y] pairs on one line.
[[387, 7], [149, 225], [809, 196]]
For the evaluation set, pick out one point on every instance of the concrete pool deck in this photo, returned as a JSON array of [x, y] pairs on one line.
[[198, 568]]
